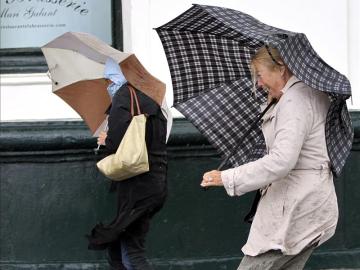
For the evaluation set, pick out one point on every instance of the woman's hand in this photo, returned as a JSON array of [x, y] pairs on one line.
[[102, 137], [212, 178]]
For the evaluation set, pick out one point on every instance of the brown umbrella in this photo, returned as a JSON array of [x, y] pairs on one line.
[[76, 64]]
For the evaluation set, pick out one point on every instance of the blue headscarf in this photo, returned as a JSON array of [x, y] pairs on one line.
[[114, 74]]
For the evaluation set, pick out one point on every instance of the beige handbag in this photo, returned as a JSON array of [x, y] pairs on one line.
[[131, 157]]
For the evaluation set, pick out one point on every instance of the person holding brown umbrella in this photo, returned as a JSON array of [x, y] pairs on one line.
[[90, 75], [298, 208], [139, 198]]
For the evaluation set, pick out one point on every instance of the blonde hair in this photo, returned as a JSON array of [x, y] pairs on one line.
[[267, 56]]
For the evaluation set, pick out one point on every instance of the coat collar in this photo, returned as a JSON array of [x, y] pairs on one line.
[[271, 112], [289, 83]]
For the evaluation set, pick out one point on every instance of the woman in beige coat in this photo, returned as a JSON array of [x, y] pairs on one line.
[[298, 207]]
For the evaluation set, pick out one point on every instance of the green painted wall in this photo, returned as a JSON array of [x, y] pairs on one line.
[[51, 196]]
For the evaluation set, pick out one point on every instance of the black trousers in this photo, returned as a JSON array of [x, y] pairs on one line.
[[128, 252]]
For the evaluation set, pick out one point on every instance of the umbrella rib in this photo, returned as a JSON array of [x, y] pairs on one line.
[[258, 42]]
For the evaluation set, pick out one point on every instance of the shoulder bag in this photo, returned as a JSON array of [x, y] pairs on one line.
[[131, 157]]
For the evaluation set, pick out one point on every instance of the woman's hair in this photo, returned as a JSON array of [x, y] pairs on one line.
[[267, 56]]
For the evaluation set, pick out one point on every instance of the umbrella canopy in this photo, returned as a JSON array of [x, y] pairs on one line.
[[209, 50], [76, 64]]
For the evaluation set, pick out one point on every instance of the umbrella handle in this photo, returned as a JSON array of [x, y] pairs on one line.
[[96, 150]]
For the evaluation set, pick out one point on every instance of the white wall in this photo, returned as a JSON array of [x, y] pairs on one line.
[[332, 26], [354, 51]]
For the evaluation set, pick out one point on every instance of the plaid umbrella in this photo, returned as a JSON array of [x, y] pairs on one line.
[[209, 49]]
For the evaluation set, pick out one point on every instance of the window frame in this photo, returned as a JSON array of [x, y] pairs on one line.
[[32, 60]]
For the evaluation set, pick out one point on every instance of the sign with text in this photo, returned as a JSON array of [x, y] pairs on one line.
[[33, 23]]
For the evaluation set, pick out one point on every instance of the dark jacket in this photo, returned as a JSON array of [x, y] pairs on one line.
[[143, 194]]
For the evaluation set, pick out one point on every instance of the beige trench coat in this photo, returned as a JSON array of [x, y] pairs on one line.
[[298, 206]]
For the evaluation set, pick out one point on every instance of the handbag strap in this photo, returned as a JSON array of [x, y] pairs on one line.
[[132, 97]]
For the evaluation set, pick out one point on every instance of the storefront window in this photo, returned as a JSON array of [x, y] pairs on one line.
[[26, 25]]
